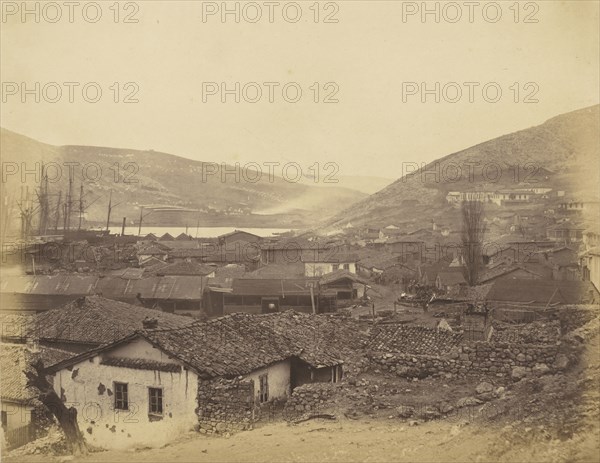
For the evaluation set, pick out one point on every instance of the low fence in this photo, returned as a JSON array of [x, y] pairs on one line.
[[19, 436]]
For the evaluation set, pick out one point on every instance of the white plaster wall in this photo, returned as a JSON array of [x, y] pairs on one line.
[[106, 427], [317, 269], [140, 349], [278, 377]]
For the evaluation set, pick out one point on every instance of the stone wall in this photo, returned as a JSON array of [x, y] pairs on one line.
[[225, 405], [478, 358], [311, 398]]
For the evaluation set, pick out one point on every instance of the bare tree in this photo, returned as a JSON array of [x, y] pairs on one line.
[[473, 232]]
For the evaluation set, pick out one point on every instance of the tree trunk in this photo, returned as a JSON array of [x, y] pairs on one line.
[[66, 416]]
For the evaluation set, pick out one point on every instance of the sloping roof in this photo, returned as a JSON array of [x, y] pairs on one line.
[[156, 287], [96, 320], [166, 237], [241, 343], [272, 286], [130, 273], [543, 291], [341, 275], [330, 255], [238, 232], [185, 268], [15, 326], [225, 275], [381, 261], [67, 285], [15, 360], [413, 339], [152, 249], [493, 273], [452, 278], [287, 270]]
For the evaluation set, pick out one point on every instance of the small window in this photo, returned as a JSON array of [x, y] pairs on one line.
[[155, 401], [346, 266], [335, 267], [263, 391], [121, 396], [4, 419]]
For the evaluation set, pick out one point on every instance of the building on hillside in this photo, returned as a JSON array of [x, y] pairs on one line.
[[323, 264], [291, 251], [566, 232], [171, 382], [410, 250], [590, 266], [570, 206], [512, 197], [347, 285]]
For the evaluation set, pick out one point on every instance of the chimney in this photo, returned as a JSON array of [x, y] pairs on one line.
[[150, 323]]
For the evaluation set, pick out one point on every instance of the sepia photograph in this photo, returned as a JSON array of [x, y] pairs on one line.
[[300, 231]]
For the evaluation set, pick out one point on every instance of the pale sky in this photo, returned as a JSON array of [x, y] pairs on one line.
[[369, 53]]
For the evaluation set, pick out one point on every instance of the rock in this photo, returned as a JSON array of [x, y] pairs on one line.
[[221, 427], [467, 402], [561, 362], [521, 358], [484, 388], [499, 392], [518, 373], [404, 411], [541, 369], [446, 408]]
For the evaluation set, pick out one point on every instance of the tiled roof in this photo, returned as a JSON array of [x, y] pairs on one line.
[[15, 326], [140, 364], [241, 343], [96, 320], [15, 360], [413, 340]]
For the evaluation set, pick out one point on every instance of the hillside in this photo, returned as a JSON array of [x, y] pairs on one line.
[[148, 177], [562, 153]]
